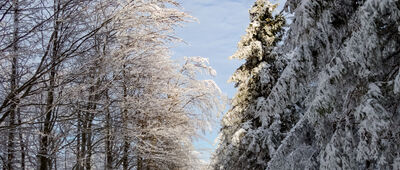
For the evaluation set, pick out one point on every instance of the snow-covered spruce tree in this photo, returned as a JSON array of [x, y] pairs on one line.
[[351, 51], [336, 102], [240, 146]]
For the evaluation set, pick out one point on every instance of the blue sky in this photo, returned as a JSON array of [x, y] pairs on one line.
[[215, 36]]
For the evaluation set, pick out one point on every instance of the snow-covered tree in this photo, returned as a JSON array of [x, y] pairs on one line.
[[89, 84], [335, 101], [240, 145]]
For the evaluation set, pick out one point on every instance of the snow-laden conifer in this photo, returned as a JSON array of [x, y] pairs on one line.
[[335, 101], [240, 141]]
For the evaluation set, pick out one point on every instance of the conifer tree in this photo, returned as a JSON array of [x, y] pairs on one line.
[[256, 47], [334, 99]]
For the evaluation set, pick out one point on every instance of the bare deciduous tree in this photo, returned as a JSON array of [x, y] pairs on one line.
[[89, 84]]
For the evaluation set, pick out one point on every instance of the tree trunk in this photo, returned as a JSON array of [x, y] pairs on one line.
[[125, 160], [109, 159], [139, 163], [89, 138], [14, 79], [79, 157], [44, 159], [44, 155], [83, 143], [21, 143], [94, 97]]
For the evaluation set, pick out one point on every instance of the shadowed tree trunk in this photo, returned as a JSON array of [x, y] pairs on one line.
[[45, 139], [125, 159], [78, 142], [109, 159], [21, 142], [13, 84]]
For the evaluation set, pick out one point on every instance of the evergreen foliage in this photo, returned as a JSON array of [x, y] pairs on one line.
[[257, 48], [329, 98]]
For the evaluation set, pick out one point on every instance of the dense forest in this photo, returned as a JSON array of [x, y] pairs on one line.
[[90, 84], [320, 88]]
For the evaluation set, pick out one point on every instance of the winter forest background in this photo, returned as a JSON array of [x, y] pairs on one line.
[[104, 84]]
